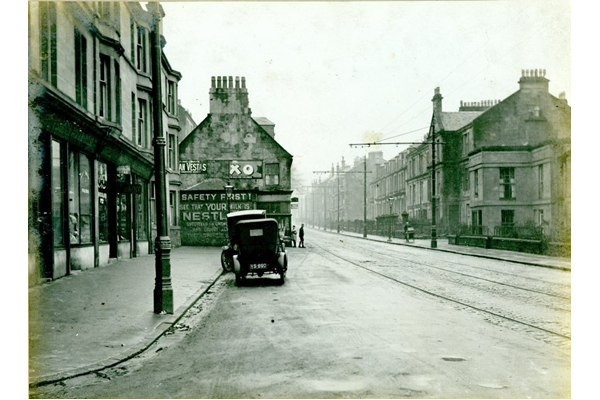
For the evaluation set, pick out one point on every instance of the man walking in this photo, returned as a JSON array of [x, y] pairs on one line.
[[301, 234]]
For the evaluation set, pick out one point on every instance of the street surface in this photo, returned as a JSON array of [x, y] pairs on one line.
[[360, 319]]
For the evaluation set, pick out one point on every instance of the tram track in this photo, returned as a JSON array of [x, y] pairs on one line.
[[396, 258], [449, 299]]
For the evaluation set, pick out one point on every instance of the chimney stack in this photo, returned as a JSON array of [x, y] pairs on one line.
[[533, 80], [437, 101], [225, 98]]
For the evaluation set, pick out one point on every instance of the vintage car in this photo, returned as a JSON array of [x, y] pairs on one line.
[[232, 219], [259, 249]]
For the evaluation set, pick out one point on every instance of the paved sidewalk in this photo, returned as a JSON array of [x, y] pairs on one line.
[[503, 255], [95, 318]]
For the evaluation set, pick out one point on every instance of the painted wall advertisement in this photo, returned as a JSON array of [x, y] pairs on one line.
[[203, 215]]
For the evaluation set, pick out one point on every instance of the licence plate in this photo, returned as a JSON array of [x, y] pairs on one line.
[[258, 266]]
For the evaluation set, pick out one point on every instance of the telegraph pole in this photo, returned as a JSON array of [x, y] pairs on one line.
[[433, 209], [365, 200], [163, 290]]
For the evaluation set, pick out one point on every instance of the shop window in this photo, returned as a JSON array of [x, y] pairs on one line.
[[123, 220], [142, 219], [57, 194], [80, 205], [85, 198], [102, 202], [272, 174]]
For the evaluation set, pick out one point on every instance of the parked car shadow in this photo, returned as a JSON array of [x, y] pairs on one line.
[[264, 281]]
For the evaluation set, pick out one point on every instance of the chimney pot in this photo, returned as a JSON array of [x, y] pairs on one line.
[[218, 82], [243, 82], [212, 82], [231, 82], [237, 82]]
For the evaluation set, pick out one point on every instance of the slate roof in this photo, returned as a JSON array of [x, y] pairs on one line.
[[262, 121], [453, 121]]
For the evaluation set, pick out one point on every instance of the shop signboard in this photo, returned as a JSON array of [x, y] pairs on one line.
[[193, 167]]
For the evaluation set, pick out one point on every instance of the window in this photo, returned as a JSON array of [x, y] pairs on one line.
[[172, 152], [171, 97], [541, 181], [80, 69], [507, 217], [421, 192], [539, 217], [507, 183], [102, 202], [477, 222], [476, 182], [80, 204], [132, 40], [142, 212], [117, 93], [48, 41], [272, 174], [142, 119], [104, 109], [465, 179], [466, 145], [123, 219], [173, 205], [141, 49], [133, 119], [57, 194]]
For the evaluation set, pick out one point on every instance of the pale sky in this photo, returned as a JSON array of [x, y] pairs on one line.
[[326, 73]]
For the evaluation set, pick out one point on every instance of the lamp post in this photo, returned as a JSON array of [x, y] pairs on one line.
[[163, 289], [390, 200]]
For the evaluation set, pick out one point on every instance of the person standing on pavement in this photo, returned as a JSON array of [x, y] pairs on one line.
[[301, 234], [294, 235]]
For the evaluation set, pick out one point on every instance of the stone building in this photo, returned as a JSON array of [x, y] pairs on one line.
[[517, 154], [502, 167], [90, 134], [231, 147]]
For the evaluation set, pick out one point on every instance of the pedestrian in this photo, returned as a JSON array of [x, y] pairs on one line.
[[301, 244], [406, 225], [294, 235]]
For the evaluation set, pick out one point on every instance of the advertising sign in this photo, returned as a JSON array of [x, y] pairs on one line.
[[245, 169], [203, 215], [192, 167]]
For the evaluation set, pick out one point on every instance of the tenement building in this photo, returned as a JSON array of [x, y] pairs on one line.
[[232, 149], [90, 135], [500, 166]]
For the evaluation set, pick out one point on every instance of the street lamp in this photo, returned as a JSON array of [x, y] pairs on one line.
[[390, 200]]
